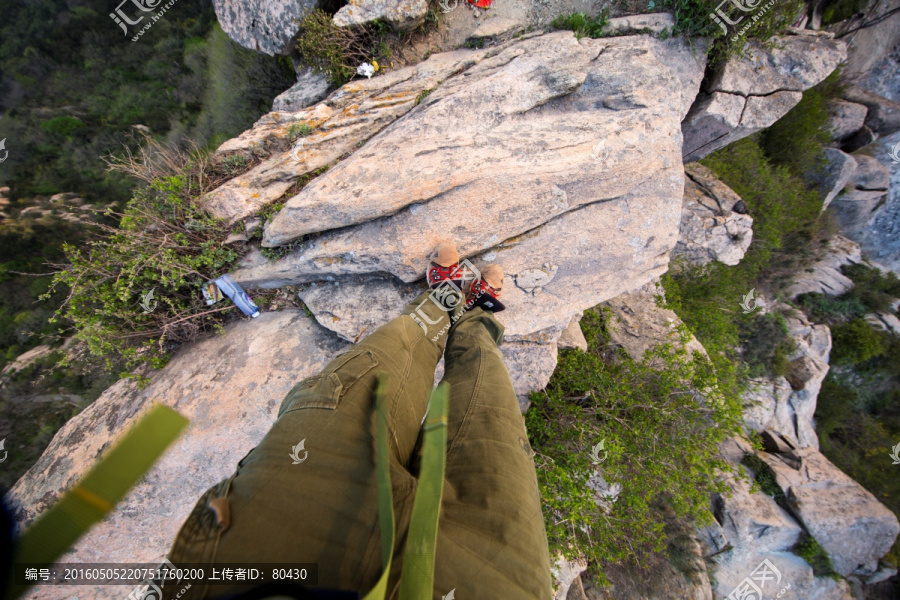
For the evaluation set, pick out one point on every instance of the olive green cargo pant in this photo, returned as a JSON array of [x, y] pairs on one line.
[[491, 540]]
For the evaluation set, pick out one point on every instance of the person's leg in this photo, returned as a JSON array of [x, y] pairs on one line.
[[319, 504], [491, 542]]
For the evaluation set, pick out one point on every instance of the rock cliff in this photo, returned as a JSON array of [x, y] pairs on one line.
[[560, 159]]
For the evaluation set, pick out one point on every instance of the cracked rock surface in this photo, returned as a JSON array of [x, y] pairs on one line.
[[750, 94]]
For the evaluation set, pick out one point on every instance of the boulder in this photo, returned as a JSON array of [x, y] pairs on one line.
[[883, 115], [26, 359], [868, 186], [786, 576], [885, 321], [526, 110], [310, 88], [530, 365], [786, 405], [354, 307], [577, 194], [565, 572], [752, 92], [766, 406], [753, 522], [807, 371], [711, 227], [346, 119], [638, 323], [230, 387], [845, 118], [850, 524], [833, 177], [572, 336], [824, 276], [404, 15], [881, 238], [262, 25]]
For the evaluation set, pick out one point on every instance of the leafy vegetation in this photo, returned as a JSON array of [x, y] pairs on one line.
[[165, 243], [338, 51], [765, 479], [836, 11], [799, 138], [299, 130], [692, 19], [661, 435], [765, 345], [74, 91], [858, 407], [855, 342], [583, 25], [787, 225], [809, 550]]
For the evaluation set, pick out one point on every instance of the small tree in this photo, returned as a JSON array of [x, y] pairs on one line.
[[135, 293]]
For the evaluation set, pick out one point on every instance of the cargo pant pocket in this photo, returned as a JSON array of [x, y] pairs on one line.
[[327, 389]]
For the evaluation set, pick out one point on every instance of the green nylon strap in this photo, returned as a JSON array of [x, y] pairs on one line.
[[417, 581], [97, 493], [385, 495], [417, 578]]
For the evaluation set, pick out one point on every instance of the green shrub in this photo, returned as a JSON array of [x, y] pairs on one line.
[[766, 345], [692, 19], [836, 11], [64, 126], [855, 342], [823, 308], [582, 24], [233, 165], [765, 478], [422, 95], [875, 290], [834, 405], [798, 139], [338, 51], [786, 215], [809, 550], [165, 243], [660, 434], [299, 130]]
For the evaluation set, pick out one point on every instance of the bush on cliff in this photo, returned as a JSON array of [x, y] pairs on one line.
[[165, 243], [661, 425]]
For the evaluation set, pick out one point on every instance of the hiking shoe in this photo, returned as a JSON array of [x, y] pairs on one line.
[[485, 291], [443, 266]]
